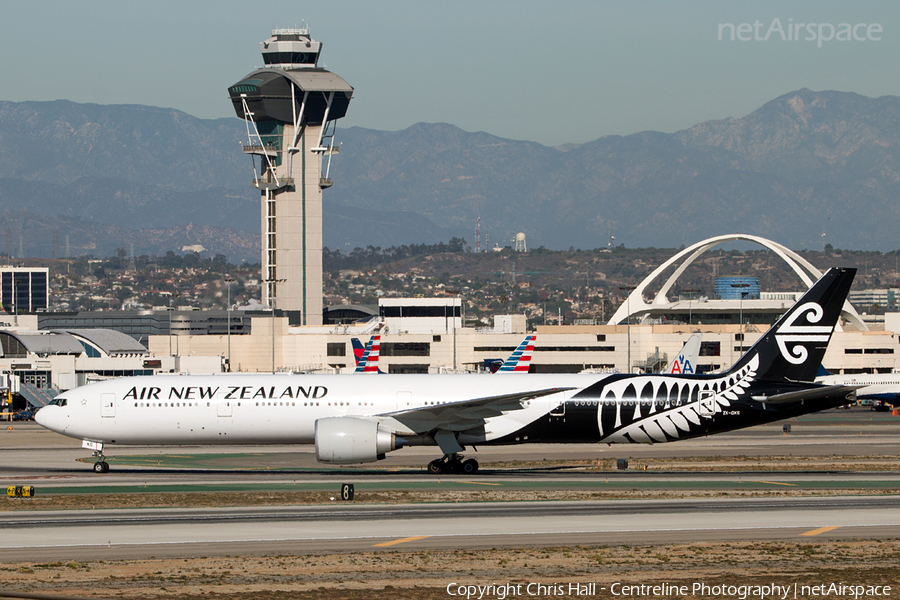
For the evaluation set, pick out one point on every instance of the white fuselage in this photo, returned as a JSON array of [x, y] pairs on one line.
[[278, 409], [874, 385]]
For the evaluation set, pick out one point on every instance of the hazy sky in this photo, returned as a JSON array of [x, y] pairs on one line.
[[548, 72]]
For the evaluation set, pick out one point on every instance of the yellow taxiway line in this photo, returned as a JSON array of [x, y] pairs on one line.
[[820, 530], [400, 541], [775, 483]]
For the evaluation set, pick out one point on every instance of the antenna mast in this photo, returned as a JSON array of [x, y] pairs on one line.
[[477, 234]]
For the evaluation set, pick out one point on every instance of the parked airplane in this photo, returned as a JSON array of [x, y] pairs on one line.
[[354, 419], [520, 359], [883, 388], [686, 361], [518, 362], [367, 357]]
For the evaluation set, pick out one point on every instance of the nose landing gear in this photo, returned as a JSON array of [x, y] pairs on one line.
[[452, 464], [101, 466]]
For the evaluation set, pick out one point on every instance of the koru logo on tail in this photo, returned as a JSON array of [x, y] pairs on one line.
[[791, 337]]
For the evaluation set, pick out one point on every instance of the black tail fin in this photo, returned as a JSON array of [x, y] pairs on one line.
[[794, 346]]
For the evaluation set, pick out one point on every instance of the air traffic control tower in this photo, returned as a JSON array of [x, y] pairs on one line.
[[290, 107]]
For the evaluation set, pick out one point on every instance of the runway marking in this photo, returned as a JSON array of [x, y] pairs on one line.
[[820, 530], [775, 483], [401, 541], [480, 483]]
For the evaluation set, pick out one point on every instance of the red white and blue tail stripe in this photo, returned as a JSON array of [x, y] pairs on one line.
[[368, 361], [520, 359]]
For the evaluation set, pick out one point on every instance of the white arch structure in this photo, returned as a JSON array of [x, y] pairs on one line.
[[635, 304]]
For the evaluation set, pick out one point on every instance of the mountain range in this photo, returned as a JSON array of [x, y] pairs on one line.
[[92, 178]]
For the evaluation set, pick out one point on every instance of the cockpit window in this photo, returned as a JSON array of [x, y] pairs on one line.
[[58, 401]]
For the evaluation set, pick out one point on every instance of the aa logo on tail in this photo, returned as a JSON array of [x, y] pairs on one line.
[[682, 366], [687, 358]]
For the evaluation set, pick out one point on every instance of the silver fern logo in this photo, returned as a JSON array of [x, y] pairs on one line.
[[791, 338], [651, 409]]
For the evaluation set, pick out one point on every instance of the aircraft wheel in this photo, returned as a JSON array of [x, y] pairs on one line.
[[101, 467], [470, 467], [453, 466], [436, 467]]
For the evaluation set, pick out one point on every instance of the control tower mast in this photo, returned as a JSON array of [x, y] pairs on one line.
[[290, 107]]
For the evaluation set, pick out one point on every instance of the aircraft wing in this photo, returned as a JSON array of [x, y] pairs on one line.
[[808, 394], [465, 414]]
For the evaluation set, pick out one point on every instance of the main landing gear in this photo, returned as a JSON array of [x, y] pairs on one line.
[[452, 464], [101, 466]]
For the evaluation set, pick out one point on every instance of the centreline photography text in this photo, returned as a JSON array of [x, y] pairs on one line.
[[501, 591]]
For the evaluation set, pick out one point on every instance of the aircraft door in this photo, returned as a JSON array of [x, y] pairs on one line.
[[224, 408], [706, 404], [558, 412], [107, 405]]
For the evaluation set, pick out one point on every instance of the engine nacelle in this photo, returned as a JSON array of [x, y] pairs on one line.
[[344, 440]]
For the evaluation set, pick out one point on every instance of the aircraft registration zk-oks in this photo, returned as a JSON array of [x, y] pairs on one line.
[[354, 419]]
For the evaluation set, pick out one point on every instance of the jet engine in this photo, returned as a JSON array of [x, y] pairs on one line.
[[344, 440]]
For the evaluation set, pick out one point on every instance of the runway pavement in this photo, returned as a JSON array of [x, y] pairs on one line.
[[32, 456], [32, 452], [192, 532]]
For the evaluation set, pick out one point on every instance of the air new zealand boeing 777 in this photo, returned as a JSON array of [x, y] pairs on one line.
[[354, 419]]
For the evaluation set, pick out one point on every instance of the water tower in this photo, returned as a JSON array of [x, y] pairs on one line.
[[290, 107], [520, 242]]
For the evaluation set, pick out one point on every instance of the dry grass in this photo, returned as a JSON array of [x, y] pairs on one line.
[[426, 574]]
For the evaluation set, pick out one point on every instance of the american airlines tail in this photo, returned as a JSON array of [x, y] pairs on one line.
[[520, 359], [367, 361], [686, 361]]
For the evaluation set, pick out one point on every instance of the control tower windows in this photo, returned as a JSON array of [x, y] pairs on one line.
[[243, 88], [295, 58]]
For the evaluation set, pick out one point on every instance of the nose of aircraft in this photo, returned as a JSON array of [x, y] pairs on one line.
[[49, 417]]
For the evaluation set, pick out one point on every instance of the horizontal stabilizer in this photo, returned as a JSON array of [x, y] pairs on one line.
[[829, 391]]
